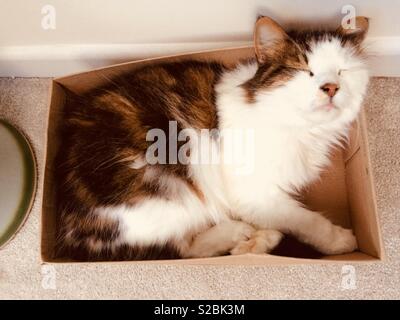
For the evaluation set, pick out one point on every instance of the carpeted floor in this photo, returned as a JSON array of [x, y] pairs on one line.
[[24, 103]]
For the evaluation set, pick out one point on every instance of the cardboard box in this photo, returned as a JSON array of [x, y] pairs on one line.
[[345, 192]]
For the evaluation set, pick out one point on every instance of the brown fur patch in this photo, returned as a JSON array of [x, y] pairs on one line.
[[105, 130]]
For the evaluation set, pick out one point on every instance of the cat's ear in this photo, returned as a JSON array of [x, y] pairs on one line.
[[268, 37], [357, 29]]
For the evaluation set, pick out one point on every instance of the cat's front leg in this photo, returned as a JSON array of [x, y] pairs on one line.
[[316, 230], [307, 226]]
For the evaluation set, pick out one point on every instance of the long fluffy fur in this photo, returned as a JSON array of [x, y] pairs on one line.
[[113, 205]]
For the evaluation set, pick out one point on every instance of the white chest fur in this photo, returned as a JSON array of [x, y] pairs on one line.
[[289, 149]]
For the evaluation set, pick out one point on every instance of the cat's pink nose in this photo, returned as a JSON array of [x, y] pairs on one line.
[[330, 89]]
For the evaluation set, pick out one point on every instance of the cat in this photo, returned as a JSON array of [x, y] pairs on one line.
[[298, 96]]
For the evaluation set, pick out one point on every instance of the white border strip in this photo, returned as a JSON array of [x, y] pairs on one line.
[[60, 59]]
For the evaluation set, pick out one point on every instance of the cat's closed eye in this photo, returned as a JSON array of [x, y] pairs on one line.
[[311, 74]]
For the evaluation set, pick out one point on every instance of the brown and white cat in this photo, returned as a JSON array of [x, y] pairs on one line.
[[298, 98]]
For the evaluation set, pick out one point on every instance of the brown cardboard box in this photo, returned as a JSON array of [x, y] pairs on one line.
[[345, 193]]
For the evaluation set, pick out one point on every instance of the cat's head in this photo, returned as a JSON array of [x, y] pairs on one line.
[[322, 75]]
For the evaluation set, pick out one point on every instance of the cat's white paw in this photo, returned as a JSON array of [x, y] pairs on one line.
[[261, 241], [219, 239], [241, 231], [342, 241]]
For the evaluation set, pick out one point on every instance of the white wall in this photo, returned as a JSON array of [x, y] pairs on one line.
[[92, 33]]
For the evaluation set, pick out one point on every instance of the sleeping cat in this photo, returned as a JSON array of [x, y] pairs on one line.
[[298, 96]]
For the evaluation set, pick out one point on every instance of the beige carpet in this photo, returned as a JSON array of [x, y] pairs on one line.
[[24, 103]]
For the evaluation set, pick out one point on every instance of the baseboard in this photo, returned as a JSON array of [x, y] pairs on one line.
[[57, 60]]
